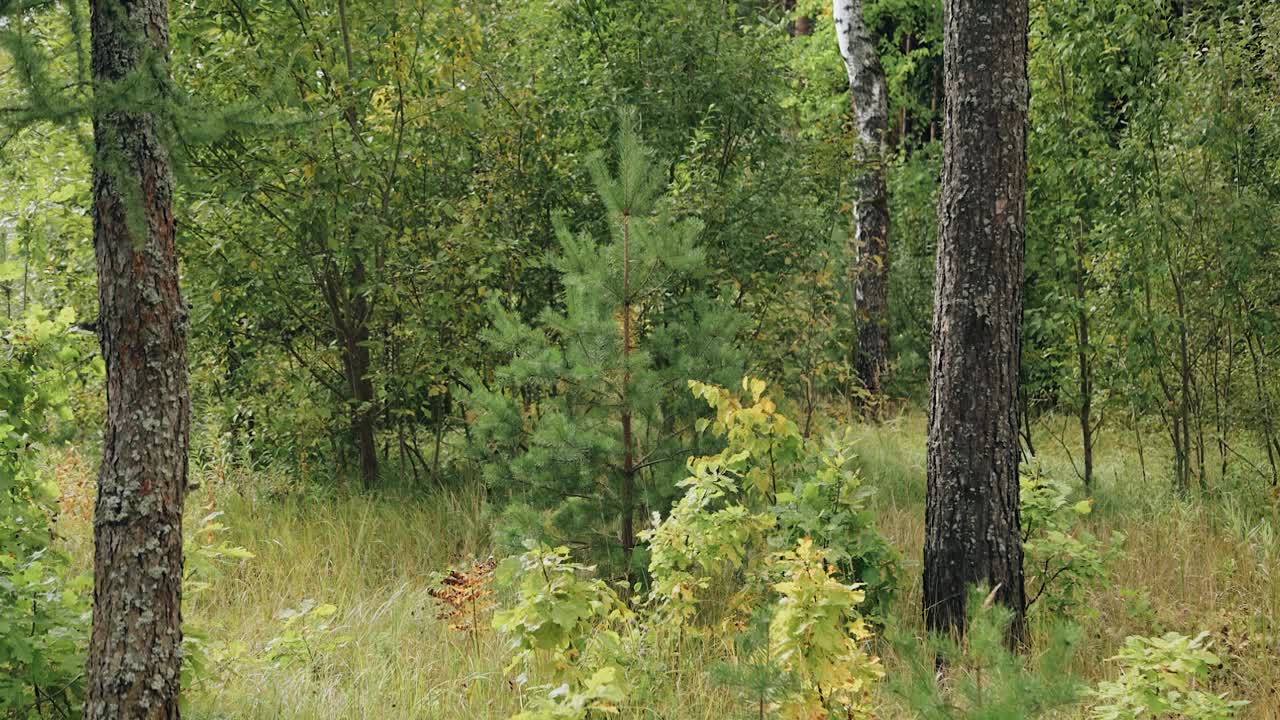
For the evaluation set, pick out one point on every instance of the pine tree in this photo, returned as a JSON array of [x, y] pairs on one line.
[[590, 418], [135, 651], [972, 525]]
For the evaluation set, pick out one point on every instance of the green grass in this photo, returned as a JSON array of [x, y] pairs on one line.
[[1189, 565], [1210, 562]]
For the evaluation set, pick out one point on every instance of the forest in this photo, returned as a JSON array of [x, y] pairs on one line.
[[639, 359]]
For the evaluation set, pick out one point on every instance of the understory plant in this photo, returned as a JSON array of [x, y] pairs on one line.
[[308, 631], [562, 624], [1163, 677], [736, 536], [585, 419], [707, 537], [767, 491], [979, 677], [818, 635], [600, 694], [44, 602], [753, 522], [753, 673], [1063, 559], [465, 594]]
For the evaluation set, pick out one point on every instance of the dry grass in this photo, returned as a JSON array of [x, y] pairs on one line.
[[1188, 565]]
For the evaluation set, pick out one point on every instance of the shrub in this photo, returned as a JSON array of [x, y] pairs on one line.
[[769, 484], [601, 693], [979, 677], [816, 633], [707, 535], [828, 503], [1062, 559], [44, 604], [1159, 678], [557, 612]]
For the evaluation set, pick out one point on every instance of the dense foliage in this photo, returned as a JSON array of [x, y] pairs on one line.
[[515, 260], [589, 416], [464, 130], [43, 599]]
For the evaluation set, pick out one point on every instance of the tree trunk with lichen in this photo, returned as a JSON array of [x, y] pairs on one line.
[[135, 647], [871, 213], [972, 518]]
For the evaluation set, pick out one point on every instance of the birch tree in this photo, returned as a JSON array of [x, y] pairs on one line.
[[871, 213]]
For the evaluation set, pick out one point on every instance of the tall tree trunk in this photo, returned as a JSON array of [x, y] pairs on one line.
[[1264, 401], [135, 647], [972, 519], [1083, 354], [628, 439], [871, 215], [355, 357], [356, 352]]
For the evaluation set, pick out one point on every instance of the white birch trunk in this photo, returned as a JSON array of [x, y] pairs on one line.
[[871, 213]]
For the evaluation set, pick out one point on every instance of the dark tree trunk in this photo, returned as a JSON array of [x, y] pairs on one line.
[[972, 533], [362, 416], [135, 646], [802, 25], [349, 311], [355, 360], [1083, 355], [628, 530], [1264, 401], [869, 97]]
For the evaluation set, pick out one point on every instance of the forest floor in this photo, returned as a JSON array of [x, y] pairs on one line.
[[332, 618]]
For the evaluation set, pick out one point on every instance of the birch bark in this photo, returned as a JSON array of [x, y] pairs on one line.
[[870, 272]]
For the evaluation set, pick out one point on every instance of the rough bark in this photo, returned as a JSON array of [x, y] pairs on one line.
[[135, 646], [871, 214], [972, 519]]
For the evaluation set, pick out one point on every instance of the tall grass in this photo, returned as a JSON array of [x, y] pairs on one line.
[[1189, 564]]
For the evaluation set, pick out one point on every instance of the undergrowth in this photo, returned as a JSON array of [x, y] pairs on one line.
[[334, 615]]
